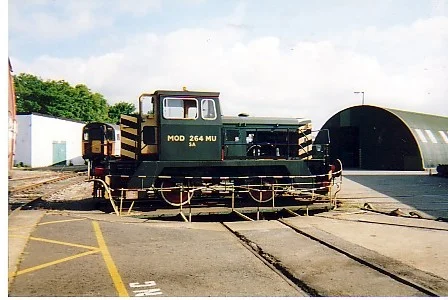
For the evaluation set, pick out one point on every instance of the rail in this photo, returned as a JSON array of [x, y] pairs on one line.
[[38, 184]]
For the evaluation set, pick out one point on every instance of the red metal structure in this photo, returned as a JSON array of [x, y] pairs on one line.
[[12, 122]]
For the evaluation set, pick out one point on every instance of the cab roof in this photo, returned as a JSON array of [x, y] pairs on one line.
[[185, 93], [264, 120]]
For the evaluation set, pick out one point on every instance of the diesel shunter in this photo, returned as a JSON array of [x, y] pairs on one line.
[[180, 148]]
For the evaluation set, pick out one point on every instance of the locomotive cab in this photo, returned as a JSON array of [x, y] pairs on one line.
[[180, 126], [100, 141]]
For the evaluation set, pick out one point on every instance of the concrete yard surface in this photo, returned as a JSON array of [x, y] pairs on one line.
[[56, 253]]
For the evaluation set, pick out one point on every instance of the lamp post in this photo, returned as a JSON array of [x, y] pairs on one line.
[[362, 96]]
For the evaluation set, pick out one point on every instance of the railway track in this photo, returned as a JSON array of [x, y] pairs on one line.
[[25, 191], [364, 272]]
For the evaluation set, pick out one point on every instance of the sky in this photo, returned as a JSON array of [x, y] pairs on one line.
[[278, 58]]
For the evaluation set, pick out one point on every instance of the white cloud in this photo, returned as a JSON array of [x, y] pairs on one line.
[[438, 8], [139, 7], [403, 67], [56, 20], [53, 20]]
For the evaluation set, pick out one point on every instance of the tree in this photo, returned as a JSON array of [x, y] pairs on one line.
[[59, 99], [120, 108], [28, 88]]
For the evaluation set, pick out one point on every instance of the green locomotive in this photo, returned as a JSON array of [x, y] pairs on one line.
[[179, 147]]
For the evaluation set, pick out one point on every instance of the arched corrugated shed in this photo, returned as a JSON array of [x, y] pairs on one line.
[[376, 138]]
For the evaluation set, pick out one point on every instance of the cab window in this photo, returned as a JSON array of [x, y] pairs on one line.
[[94, 134], [110, 134], [208, 109], [180, 108]]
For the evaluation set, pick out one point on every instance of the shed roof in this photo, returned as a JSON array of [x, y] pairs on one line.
[[430, 133], [48, 116], [368, 136]]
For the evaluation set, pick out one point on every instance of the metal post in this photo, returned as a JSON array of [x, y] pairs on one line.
[[121, 201], [243, 216], [189, 205], [130, 208], [183, 216], [233, 199], [180, 197], [362, 96], [261, 198]]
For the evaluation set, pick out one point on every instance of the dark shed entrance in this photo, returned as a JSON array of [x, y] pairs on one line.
[[375, 138]]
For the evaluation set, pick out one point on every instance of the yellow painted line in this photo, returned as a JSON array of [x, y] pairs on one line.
[[52, 263], [116, 278], [61, 221], [45, 223], [55, 242], [19, 227]]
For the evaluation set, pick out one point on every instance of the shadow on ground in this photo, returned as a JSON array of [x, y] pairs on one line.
[[426, 193]]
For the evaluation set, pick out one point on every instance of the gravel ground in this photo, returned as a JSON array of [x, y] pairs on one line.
[[70, 189], [69, 194], [77, 191]]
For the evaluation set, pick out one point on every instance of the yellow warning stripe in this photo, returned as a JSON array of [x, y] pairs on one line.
[[129, 118], [128, 141], [127, 153], [306, 126], [305, 139], [305, 150], [129, 130]]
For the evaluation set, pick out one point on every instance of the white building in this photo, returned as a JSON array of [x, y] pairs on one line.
[[44, 140]]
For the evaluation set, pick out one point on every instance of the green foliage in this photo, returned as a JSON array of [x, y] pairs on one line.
[[120, 108], [59, 99]]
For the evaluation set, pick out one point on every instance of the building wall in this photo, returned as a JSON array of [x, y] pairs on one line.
[[41, 133]]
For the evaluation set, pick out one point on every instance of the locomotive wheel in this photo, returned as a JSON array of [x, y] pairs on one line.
[[172, 193], [263, 192]]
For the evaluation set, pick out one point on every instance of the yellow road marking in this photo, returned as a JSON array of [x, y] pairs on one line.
[[52, 263], [55, 242], [113, 271], [116, 278], [19, 227], [45, 223], [61, 221]]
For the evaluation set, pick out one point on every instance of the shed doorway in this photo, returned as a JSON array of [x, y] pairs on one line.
[[345, 145]]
